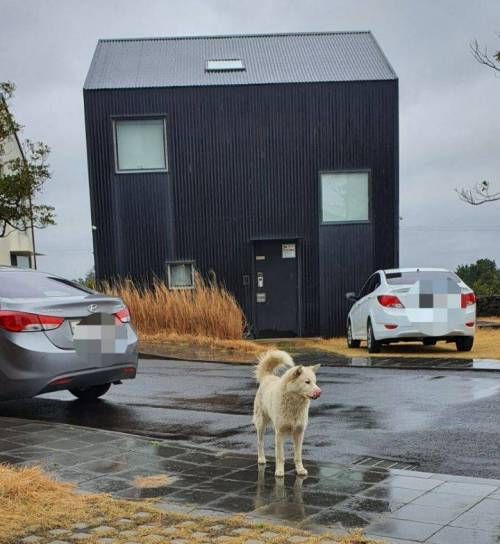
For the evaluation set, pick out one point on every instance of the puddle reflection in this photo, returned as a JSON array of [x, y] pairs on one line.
[[294, 498]]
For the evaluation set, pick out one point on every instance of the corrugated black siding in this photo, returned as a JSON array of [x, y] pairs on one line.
[[244, 163]]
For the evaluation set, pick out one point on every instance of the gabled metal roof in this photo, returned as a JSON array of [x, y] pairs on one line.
[[267, 58]]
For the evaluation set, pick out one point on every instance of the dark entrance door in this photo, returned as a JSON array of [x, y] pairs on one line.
[[276, 288]]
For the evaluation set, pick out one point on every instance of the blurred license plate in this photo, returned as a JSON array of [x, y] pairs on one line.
[[72, 325]]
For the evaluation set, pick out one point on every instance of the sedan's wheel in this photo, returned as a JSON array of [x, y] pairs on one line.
[[429, 342], [351, 343], [372, 344], [464, 343], [91, 393]]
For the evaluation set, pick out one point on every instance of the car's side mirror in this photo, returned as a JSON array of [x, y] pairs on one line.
[[351, 296]]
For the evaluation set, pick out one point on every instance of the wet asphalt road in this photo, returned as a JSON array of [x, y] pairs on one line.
[[443, 421]]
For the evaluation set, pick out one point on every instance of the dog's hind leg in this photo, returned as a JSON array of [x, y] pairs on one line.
[[298, 437], [260, 423]]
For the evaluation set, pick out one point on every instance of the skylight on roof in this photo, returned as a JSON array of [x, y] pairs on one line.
[[225, 65]]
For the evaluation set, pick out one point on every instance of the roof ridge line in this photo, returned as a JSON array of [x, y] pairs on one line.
[[229, 36]]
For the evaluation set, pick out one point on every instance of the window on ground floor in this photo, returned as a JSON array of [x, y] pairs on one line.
[[21, 260], [344, 197], [180, 275], [140, 144]]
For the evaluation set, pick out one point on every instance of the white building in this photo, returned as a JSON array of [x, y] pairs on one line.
[[16, 247]]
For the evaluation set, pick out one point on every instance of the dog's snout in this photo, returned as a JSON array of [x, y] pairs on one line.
[[316, 393]]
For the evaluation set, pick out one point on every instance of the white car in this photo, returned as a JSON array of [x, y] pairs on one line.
[[412, 304]]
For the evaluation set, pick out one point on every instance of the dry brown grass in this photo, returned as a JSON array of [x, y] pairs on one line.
[[486, 346], [207, 311], [32, 503]]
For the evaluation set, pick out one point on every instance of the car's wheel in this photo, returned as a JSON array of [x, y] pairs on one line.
[[429, 342], [351, 342], [464, 343], [372, 344], [91, 393]]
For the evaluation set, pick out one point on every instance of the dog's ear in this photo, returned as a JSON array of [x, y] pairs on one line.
[[297, 372], [315, 368]]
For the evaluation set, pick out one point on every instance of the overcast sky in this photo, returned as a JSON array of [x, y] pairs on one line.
[[449, 104]]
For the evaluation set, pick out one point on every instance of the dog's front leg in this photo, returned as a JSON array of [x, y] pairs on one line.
[[298, 437], [261, 431], [280, 454]]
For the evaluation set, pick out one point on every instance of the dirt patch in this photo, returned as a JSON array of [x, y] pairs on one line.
[[200, 348], [494, 318], [152, 482]]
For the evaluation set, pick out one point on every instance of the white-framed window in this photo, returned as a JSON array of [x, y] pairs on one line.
[[140, 145], [344, 197], [180, 274]]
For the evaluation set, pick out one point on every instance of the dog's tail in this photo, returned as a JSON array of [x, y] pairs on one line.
[[270, 361]]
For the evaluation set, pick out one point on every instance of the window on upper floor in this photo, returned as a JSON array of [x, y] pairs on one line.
[[140, 145], [344, 197]]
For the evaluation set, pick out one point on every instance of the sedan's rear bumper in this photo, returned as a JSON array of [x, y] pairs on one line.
[[11, 389], [418, 331], [89, 378], [420, 323], [30, 364]]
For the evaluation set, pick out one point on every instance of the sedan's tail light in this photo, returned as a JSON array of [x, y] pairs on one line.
[[468, 299], [123, 316], [390, 301], [25, 322]]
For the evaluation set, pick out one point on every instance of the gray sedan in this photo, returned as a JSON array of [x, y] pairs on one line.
[[55, 334]]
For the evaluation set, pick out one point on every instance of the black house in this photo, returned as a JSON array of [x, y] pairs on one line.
[[270, 159]]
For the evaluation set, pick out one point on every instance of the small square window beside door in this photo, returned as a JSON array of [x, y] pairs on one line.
[[344, 197], [180, 275], [140, 145]]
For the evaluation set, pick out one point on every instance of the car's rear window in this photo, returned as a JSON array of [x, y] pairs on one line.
[[409, 278], [34, 285]]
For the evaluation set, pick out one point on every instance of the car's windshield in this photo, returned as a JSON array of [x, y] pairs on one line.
[[411, 277], [34, 285]]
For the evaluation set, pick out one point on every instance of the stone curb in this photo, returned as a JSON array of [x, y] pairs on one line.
[[398, 363]]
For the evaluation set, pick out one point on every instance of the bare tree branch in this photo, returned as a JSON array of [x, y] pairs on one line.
[[483, 57], [479, 194]]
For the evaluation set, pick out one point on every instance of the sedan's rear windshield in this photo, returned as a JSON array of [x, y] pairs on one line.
[[35, 285], [409, 278]]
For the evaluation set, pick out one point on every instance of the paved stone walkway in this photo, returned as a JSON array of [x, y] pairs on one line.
[[399, 505]]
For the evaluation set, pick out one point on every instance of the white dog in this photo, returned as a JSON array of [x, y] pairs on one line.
[[284, 402]]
